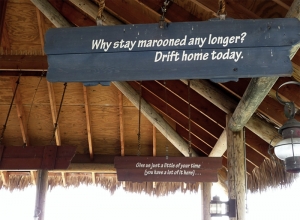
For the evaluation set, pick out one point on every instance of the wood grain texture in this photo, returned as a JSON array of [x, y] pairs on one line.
[[22, 27], [236, 169]]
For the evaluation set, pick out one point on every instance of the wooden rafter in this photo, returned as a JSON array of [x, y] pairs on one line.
[[154, 140], [91, 10], [154, 118], [88, 122], [20, 112], [41, 25], [121, 117]]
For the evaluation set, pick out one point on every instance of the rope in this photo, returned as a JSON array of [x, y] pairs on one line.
[[25, 144], [100, 16], [139, 131], [189, 109], [222, 5], [9, 110], [56, 122]]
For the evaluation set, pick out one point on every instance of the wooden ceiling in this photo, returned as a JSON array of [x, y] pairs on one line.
[[100, 120]]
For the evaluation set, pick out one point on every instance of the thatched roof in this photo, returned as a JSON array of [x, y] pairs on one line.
[[107, 181]]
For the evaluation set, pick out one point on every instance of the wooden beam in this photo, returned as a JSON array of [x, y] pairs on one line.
[[88, 121], [121, 117], [255, 93], [220, 147], [154, 140], [236, 169], [51, 13], [215, 95], [72, 13], [23, 63], [53, 112], [20, 111], [41, 191], [3, 5], [5, 178], [91, 10], [41, 25], [154, 118], [206, 198]]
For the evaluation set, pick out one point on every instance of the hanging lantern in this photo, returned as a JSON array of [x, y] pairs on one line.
[[220, 208], [288, 149]]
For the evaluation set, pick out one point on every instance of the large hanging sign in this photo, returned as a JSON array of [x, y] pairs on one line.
[[220, 50], [171, 169]]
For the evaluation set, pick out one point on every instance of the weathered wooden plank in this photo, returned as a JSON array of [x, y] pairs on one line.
[[69, 68], [210, 35], [71, 13], [50, 12]]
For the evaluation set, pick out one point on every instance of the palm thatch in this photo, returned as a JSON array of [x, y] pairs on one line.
[[270, 174]]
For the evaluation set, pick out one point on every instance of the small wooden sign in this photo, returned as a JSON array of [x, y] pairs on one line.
[[33, 157], [219, 50], [173, 169]]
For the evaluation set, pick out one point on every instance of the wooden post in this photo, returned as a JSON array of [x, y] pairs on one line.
[[236, 169], [41, 191], [206, 198]]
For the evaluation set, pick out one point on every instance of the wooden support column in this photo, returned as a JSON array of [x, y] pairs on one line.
[[206, 198], [236, 169], [41, 191]]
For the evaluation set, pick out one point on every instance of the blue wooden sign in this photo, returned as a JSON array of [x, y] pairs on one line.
[[220, 50]]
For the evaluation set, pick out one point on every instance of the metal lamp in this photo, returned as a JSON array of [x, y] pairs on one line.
[[219, 208], [288, 149]]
